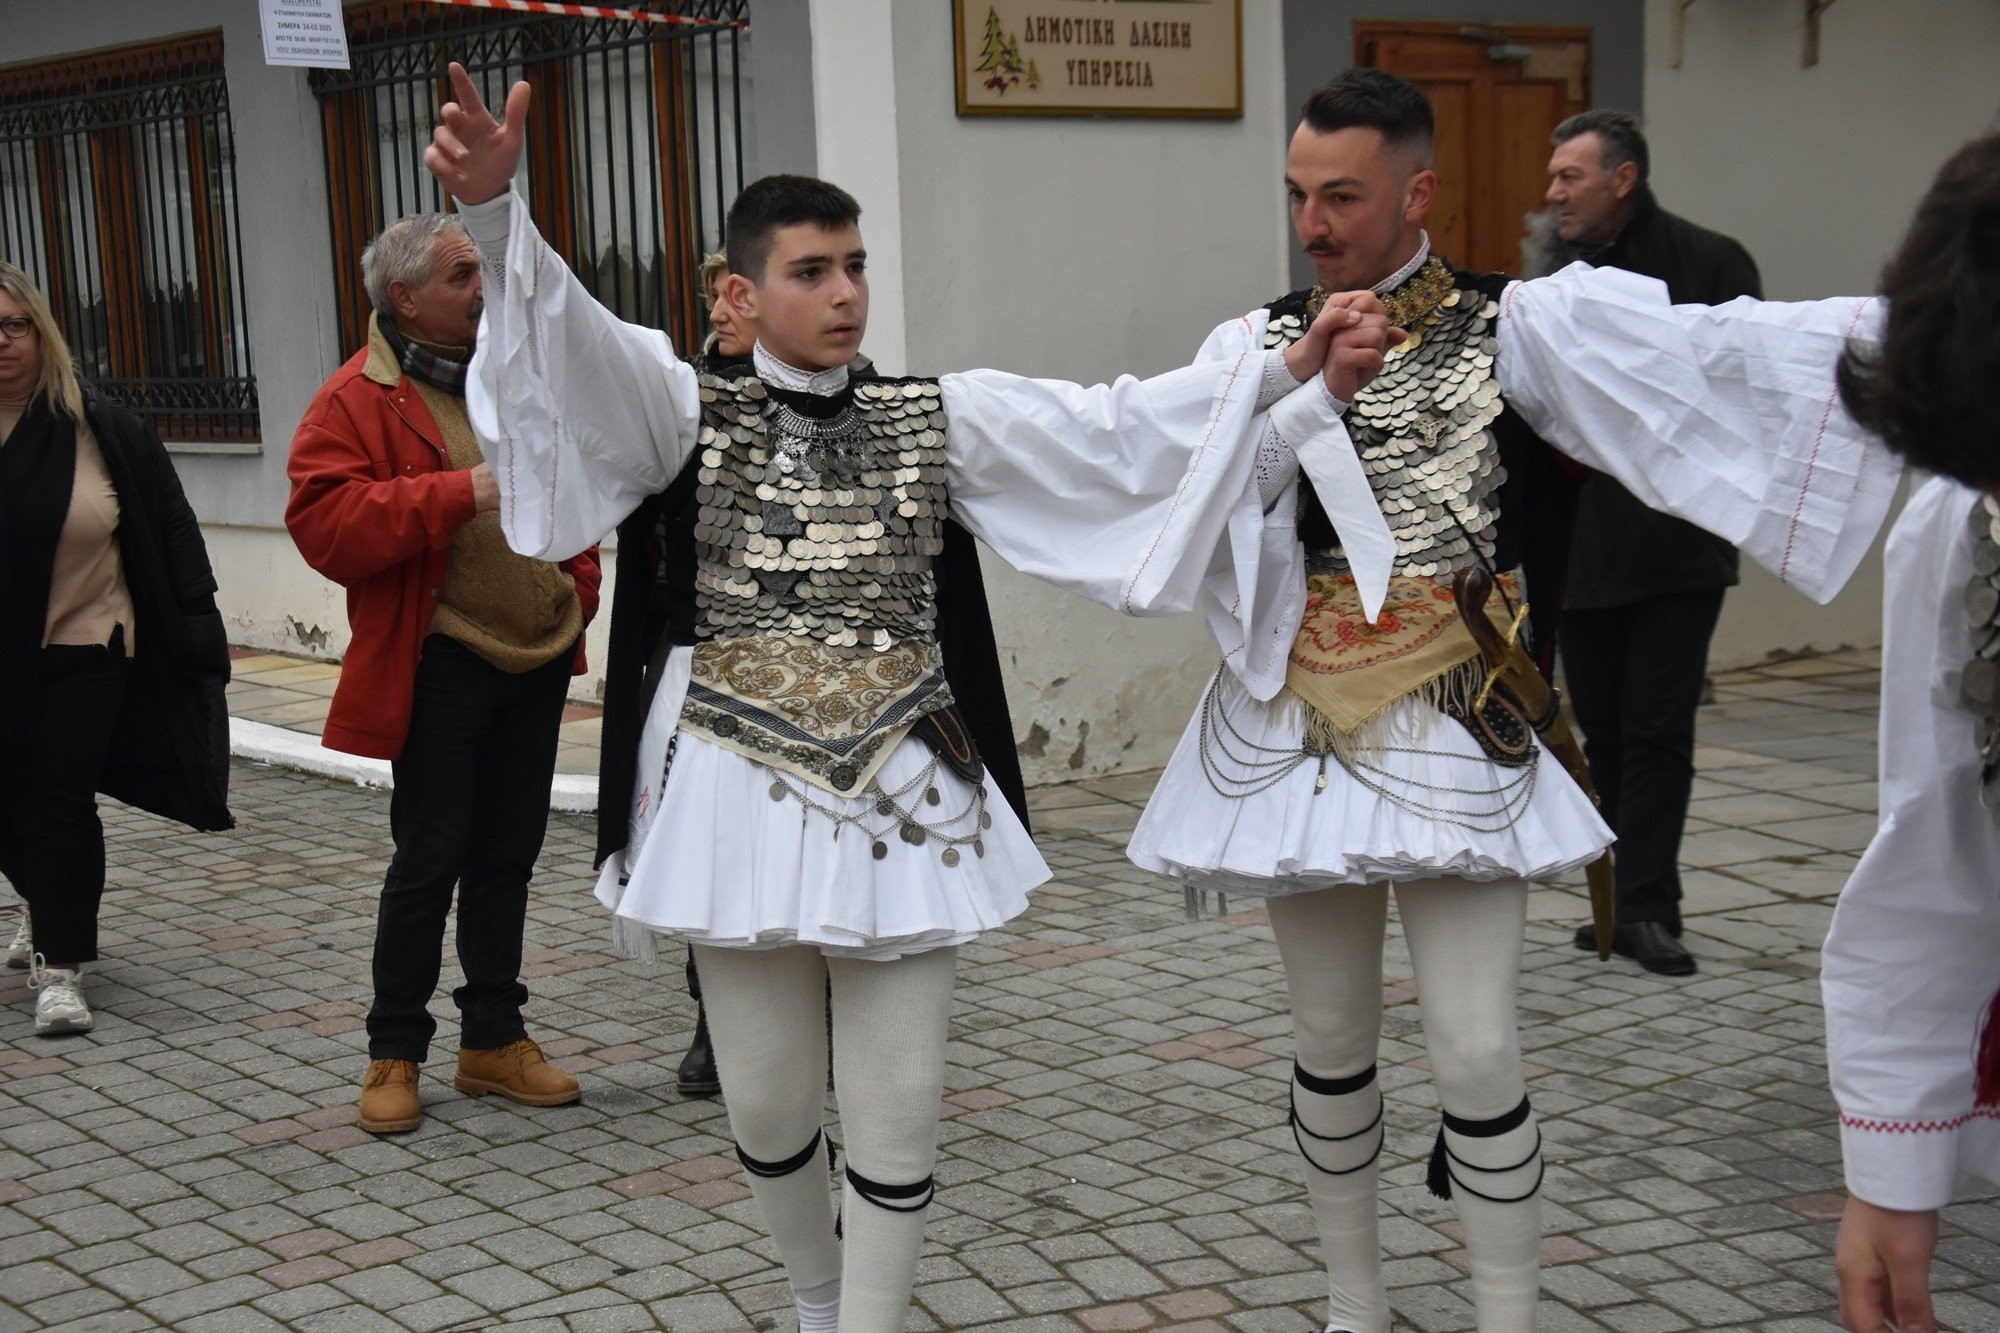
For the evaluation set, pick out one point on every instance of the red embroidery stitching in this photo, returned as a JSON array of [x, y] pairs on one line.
[[1920, 1126], [1812, 460], [1214, 418]]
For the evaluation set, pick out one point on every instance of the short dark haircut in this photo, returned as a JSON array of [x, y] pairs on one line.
[[1377, 100], [781, 201], [1929, 388], [1617, 133]]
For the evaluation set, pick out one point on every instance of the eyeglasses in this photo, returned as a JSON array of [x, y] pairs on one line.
[[18, 327]]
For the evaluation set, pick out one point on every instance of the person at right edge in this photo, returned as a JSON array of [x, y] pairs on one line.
[[1645, 588]]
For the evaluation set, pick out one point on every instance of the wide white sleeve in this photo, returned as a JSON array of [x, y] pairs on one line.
[[580, 415], [1233, 337], [1120, 492], [1909, 967], [1726, 416]]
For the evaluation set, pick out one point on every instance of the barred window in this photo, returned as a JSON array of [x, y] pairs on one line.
[[118, 197], [635, 139]]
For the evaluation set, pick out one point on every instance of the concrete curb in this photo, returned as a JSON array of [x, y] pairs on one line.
[[571, 793]]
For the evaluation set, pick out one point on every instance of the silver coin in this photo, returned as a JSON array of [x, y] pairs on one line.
[[1982, 599], [1980, 686]]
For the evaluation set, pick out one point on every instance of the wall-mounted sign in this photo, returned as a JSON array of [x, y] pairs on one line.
[[1099, 57], [304, 32]]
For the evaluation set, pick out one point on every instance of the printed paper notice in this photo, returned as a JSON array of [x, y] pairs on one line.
[[304, 32]]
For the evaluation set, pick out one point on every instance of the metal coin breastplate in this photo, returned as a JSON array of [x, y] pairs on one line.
[[832, 543], [816, 608], [1423, 430]]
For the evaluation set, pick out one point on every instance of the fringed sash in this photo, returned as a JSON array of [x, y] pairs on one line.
[[1350, 673]]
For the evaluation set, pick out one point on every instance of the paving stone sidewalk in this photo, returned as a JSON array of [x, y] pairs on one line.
[[1114, 1148]]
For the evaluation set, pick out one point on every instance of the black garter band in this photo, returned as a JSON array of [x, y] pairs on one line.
[[772, 1170], [1442, 1177], [893, 1197], [1333, 1087]]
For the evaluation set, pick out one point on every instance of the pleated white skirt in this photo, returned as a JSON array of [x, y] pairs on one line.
[[1292, 838], [714, 859]]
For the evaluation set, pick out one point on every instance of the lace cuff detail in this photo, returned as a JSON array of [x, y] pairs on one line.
[[1277, 381]]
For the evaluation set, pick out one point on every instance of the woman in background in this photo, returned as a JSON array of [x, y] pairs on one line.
[[112, 655]]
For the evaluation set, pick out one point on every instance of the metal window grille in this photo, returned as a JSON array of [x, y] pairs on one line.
[[635, 140], [118, 198]]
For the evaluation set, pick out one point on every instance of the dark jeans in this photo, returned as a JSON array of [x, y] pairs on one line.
[[1634, 675], [51, 840], [470, 809]]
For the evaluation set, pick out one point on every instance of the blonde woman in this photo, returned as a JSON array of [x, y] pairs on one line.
[[112, 655]]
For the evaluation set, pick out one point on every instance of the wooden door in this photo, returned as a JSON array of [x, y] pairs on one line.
[[1498, 91]]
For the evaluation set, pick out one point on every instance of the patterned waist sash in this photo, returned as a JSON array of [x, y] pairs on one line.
[[1349, 672], [828, 715]]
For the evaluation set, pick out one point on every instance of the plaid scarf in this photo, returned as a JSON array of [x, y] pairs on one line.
[[442, 368]]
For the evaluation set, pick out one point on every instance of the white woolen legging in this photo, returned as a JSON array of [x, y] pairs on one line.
[[766, 1016], [1465, 945]]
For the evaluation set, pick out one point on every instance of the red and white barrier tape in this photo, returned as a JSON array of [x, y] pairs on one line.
[[594, 12]]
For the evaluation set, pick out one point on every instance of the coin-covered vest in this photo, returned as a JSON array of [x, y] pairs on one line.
[[815, 623], [1429, 431]]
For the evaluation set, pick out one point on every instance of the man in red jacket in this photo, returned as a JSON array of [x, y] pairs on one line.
[[459, 661]]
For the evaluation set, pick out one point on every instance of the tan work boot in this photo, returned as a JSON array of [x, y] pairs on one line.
[[518, 1072], [389, 1101]]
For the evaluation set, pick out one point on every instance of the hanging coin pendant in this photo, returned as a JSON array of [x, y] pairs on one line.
[[931, 795], [914, 834], [777, 791], [950, 857], [885, 807], [881, 850], [985, 820], [979, 847]]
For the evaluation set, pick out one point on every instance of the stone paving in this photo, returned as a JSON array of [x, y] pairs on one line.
[[1114, 1149]]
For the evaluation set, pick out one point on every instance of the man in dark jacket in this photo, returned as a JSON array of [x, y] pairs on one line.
[[459, 664], [1645, 590]]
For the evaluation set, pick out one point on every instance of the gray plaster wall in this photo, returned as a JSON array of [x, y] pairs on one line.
[[281, 181], [1319, 43], [781, 86]]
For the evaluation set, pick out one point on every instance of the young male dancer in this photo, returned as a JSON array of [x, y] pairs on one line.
[[1910, 972], [808, 803]]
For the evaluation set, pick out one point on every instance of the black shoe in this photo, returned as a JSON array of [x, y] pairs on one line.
[[697, 1076], [1650, 943]]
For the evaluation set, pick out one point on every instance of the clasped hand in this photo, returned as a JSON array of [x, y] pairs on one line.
[[1348, 344]]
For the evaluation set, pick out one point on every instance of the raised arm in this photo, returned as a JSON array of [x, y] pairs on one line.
[[580, 414], [1126, 492], [1726, 416]]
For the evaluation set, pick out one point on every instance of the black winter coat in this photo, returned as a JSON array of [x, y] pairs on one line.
[[170, 749], [1625, 552]]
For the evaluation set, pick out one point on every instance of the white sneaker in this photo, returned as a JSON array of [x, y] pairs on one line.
[[23, 947], [59, 1009]]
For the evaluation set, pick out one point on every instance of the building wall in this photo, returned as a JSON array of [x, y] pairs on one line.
[[1817, 171]]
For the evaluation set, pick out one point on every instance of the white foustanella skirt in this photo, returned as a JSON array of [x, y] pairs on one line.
[[1294, 836], [714, 859]]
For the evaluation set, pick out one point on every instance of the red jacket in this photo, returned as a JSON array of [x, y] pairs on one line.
[[375, 504]]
